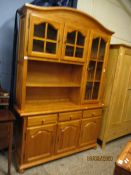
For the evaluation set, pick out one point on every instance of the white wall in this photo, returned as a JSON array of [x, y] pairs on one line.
[[7, 21], [113, 14]]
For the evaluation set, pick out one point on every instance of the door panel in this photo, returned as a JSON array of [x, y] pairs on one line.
[[120, 91], [75, 43], [67, 136], [96, 67], [89, 131], [45, 37], [40, 142], [127, 106]]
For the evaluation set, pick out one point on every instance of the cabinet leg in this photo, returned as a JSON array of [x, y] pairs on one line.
[[95, 147], [10, 148], [103, 145], [21, 171]]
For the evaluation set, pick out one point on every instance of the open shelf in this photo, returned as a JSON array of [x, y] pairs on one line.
[[50, 74], [52, 94]]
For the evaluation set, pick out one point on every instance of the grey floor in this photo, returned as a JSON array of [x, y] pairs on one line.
[[76, 164]]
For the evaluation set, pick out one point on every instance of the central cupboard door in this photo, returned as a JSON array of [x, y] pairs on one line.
[[75, 43], [40, 142], [67, 136], [45, 37]]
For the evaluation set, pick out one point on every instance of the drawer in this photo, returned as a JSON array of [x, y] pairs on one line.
[[92, 113], [66, 116], [42, 119]]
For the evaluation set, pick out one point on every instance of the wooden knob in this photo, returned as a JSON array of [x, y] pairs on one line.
[[43, 121]]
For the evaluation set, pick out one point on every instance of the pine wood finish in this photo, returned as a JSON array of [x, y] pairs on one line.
[[62, 58], [117, 113]]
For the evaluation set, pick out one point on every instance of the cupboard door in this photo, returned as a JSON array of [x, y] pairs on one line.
[[44, 37], [89, 131], [67, 136], [75, 43], [96, 67], [40, 142]]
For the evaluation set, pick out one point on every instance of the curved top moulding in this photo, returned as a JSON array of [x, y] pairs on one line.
[[66, 11]]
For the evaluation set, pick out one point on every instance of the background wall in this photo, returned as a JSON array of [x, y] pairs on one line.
[[113, 14]]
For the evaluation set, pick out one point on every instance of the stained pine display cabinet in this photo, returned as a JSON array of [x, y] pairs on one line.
[[62, 58]]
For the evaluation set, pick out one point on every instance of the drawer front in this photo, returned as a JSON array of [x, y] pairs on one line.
[[42, 119], [66, 116], [92, 113]]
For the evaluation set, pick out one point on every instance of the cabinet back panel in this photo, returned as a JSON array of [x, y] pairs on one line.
[[47, 94]]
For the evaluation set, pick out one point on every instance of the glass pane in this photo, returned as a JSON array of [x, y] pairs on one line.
[[102, 49], [69, 51], [39, 30], [91, 70], [88, 90], [71, 37], [94, 48], [98, 71], [51, 32], [38, 46], [95, 90], [80, 39], [50, 47], [79, 52]]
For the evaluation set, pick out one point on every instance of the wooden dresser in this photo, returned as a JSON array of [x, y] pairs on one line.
[[62, 58], [116, 120]]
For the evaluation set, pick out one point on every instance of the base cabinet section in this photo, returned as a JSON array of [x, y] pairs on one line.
[[51, 136], [67, 136], [89, 131], [40, 142]]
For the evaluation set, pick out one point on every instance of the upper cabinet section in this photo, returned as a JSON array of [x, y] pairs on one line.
[[56, 40], [60, 34], [75, 43], [45, 38]]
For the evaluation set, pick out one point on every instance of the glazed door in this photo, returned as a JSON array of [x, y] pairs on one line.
[[67, 136], [40, 142], [45, 38], [96, 67], [89, 131], [75, 43]]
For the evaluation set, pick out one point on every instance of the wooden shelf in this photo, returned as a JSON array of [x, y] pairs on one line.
[[47, 84]]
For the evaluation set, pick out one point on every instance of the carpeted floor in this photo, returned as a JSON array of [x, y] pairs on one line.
[[77, 164]]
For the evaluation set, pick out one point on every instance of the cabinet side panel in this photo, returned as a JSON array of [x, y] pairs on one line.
[[21, 64], [109, 80]]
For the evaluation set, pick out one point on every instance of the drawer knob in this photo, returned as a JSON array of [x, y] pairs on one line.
[[43, 121], [70, 117]]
